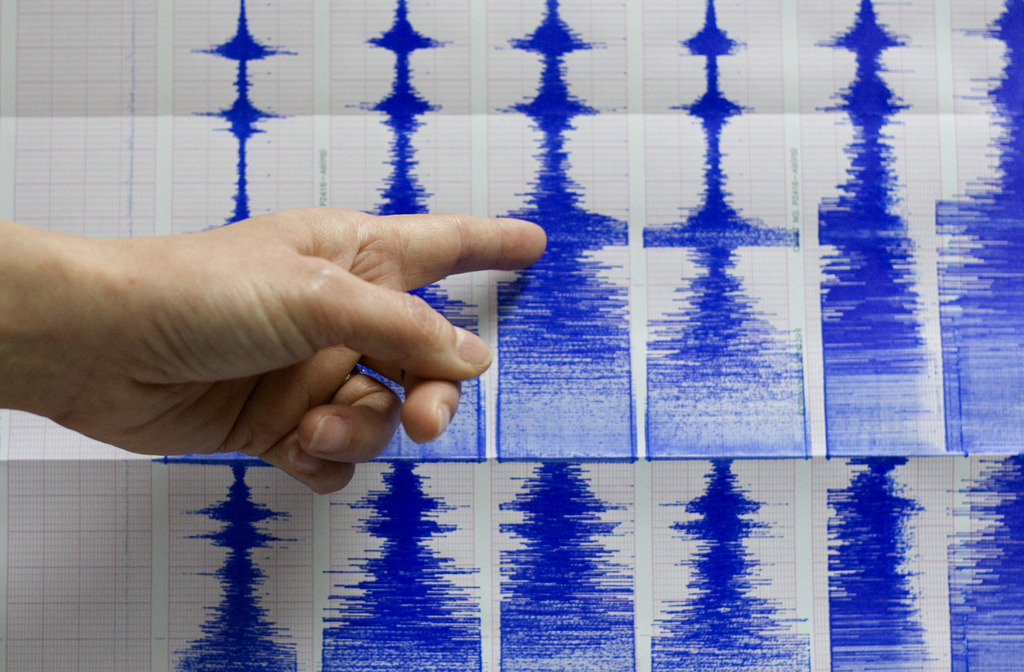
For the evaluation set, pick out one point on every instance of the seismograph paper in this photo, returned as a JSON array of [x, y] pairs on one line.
[[779, 231]]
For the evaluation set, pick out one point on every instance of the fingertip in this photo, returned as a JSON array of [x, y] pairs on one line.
[[429, 408], [473, 350], [530, 242]]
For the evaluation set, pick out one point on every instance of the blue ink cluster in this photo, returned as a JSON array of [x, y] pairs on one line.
[[981, 278], [987, 574], [871, 346], [874, 624], [403, 195], [407, 613], [239, 636], [720, 380], [565, 605], [723, 625], [563, 329], [242, 116]]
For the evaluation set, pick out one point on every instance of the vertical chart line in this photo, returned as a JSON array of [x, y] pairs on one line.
[[160, 569], [321, 579], [482, 532], [803, 525], [484, 287], [637, 221], [321, 102], [946, 98], [163, 202], [814, 402], [4, 587], [8, 108], [643, 535]]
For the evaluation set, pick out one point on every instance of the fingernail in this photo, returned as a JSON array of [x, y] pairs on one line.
[[331, 436], [472, 349], [444, 415], [303, 462]]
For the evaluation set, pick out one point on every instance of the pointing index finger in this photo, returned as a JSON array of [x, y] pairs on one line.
[[432, 247]]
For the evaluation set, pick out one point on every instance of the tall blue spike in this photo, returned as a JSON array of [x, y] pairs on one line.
[[402, 194], [873, 357], [716, 351], [405, 613], [563, 330], [238, 637], [242, 116], [403, 106], [986, 606], [874, 624], [565, 604], [723, 624], [981, 279]]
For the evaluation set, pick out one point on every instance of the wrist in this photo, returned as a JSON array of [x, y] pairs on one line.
[[45, 328]]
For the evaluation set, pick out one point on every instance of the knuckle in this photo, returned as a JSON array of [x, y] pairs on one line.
[[425, 324]]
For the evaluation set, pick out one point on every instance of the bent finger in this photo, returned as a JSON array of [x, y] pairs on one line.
[[356, 426], [320, 476], [386, 325], [429, 407], [322, 454]]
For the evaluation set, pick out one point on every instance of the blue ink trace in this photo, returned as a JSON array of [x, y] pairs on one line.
[[723, 625], [987, 574], [721, 380], [404, 613], [981, 278], [566, 605], [242, 116], [239, 637], [873, 619], [403, 195], [563, 329], [871, 347]]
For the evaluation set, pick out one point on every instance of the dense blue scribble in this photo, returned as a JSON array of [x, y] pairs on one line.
[[720, 379], [565, 604], [403, 195], [406, 613], [723, 625], [986, 593], [873, 620], [238, 637], [872, 351], [563, 329], [981, 278], [242, 116]]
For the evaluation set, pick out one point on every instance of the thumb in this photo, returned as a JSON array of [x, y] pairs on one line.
[[387, 325]]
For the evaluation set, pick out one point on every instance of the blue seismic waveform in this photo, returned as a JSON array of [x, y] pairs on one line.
[[873, 618], [242, 116], [723, 625], [403, 612], [872, 350], [563, 328], [981, 277], [238, 637], [404, 195], [987, 574], [565, 604], [721, 380]]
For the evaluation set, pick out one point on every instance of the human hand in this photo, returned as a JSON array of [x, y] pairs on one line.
[[244, 338]]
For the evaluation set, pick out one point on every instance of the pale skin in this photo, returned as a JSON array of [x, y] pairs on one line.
[[245, 338]]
